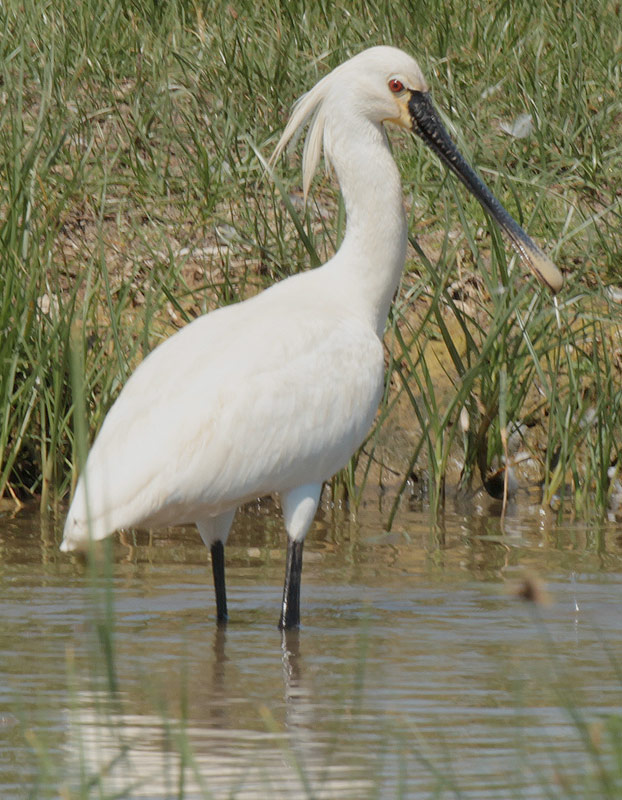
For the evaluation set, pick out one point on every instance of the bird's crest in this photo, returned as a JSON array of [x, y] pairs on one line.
[[310, 105], [314, 104]]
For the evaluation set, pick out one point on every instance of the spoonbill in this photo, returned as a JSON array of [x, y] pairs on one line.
[[274, 394]]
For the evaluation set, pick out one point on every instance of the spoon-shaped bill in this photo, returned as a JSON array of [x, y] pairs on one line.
[[427, 124]]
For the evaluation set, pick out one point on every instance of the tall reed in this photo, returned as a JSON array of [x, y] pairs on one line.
[[133, 193]]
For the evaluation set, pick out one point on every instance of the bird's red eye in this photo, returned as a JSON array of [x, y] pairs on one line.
[[396, 86]]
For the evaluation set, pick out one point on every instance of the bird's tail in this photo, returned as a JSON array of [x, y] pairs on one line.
[[81, 526]]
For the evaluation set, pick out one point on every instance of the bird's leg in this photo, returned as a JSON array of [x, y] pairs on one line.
[[214, 532], [290, 612], [299, 507], [217, 551]]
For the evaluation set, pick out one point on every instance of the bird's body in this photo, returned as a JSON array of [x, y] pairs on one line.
[[274, 394], [262, 396]]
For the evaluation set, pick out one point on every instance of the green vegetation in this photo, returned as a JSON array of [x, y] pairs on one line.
[[133, 199]]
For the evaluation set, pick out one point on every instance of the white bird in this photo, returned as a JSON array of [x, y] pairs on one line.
[[275, 394]]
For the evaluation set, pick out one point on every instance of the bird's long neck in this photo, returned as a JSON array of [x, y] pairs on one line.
[[371, 257]]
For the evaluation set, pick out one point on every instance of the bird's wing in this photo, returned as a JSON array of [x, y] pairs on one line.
[[244, 401]]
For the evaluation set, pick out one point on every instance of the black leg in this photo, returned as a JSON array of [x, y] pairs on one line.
[[218, 570], [290, 613]]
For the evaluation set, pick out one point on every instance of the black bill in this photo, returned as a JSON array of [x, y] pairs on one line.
[[427, 124]]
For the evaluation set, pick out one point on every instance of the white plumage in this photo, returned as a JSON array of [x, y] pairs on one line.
[[232, 407], [276, 393]]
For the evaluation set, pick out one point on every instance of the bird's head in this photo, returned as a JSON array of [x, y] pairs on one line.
[[374, 85], [386, 85], [378, 83]]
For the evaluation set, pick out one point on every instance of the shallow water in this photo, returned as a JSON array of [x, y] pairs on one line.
[[417, 672]]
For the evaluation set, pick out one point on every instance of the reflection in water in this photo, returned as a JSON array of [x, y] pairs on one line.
[[415, 674], [150, 756], [299, 723], [290, 645], [215, 708]]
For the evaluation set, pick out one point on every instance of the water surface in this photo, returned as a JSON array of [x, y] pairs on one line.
[[417, 673]]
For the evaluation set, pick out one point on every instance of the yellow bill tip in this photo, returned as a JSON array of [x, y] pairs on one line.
[[546, 271]]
